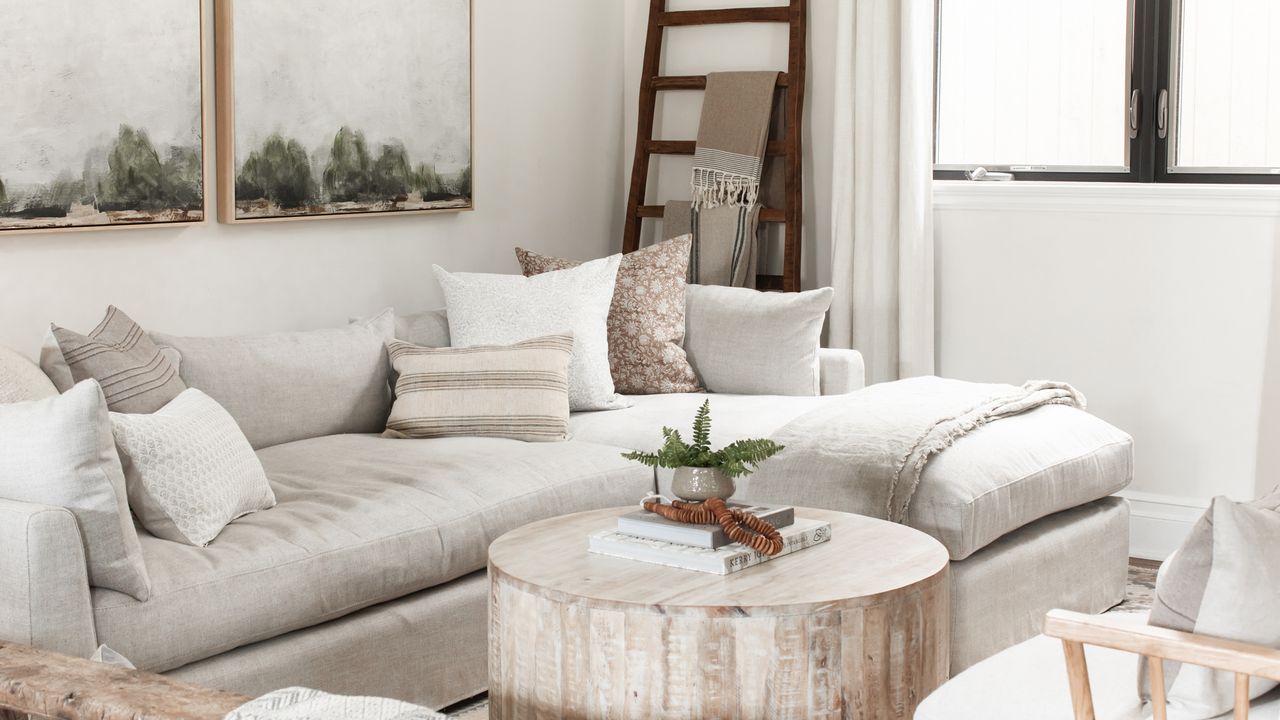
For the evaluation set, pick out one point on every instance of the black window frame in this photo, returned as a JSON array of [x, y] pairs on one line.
[[1150, 74]]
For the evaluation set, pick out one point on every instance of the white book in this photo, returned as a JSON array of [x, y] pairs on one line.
[[720, 561]]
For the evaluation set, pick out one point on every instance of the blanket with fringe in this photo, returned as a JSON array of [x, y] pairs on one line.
[[864, 452]]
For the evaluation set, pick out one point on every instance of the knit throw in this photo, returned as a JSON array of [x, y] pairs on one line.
[[729, 158]]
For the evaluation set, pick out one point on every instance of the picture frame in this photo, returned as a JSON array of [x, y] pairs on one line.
[[113, 153], [339, 157]]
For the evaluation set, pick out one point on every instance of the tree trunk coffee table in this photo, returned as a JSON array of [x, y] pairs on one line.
[[856, 627]]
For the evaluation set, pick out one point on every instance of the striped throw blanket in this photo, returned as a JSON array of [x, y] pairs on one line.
[[728, 163]]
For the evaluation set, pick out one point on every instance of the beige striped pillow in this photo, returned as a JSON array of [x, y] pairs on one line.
[[135, 375], [518, 391]]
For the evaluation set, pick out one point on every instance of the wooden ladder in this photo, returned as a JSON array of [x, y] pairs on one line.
[[791, 83]]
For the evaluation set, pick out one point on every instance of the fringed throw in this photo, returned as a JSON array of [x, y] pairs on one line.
[[733, 130]]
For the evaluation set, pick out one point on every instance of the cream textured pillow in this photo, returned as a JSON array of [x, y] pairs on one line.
[[59, 452], [518, 391], [646, 319], [503, 309], [1222, 582], [189, 469], [749, 342]]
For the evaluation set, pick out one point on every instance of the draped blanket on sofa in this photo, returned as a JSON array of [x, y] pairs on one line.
[[864, 452]]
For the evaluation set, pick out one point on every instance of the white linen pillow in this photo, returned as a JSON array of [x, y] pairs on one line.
[[748, 342], [1221, 582], [189, 469], [485, 309], [59, 452]]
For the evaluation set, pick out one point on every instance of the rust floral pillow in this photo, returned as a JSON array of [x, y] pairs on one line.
[[646, 319]]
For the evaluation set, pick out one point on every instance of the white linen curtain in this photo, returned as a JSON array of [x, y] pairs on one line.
[[882, 175]]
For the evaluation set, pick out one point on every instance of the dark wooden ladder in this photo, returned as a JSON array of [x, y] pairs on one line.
[[791, 84]]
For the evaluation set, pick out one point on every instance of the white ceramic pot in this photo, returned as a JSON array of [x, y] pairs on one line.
[[696, 484]]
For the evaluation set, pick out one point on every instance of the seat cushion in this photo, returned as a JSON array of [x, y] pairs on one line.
[[996, 479], [1015, 471], [1029, 680], [360, 520]]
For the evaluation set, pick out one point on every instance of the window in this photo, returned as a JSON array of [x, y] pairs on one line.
[[1130, 90]]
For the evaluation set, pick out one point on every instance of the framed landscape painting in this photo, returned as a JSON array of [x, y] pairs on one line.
[[343, 108], [101, 117]]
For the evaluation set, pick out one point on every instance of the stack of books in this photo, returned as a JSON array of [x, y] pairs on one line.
[[651, 538]]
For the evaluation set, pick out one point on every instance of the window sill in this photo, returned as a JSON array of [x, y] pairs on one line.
[[1075, 197]]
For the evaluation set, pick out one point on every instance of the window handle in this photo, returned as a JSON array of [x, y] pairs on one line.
[[1162, 114], [1135, 112]]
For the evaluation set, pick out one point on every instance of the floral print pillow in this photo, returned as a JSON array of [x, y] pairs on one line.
[[646, 319]]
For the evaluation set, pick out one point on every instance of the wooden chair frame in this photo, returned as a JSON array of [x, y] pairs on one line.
[[1155, 645]]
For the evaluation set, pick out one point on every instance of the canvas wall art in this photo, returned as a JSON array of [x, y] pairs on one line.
[[332, 108], [100, 114]]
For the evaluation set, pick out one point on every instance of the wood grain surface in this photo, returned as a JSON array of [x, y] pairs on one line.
[[857, 627], [51, 685]]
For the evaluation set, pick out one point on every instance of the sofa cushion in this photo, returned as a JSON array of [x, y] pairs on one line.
[[741, 340], [22, 380], [1029, 680], [290, 386], [1017, 470], [59, 452], [992, 481], [360, 520]]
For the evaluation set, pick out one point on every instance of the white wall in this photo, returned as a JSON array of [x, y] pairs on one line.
[[548, 116], [1156, 302]]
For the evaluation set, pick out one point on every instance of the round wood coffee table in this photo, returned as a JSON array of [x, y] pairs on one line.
[[856, 627]]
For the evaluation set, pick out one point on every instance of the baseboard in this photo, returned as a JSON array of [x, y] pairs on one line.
[[1159, 523]]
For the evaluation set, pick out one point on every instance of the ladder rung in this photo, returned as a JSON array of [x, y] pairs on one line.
[[769, 215], [694, 82], [768, 282], [728, 15], [686, 147]]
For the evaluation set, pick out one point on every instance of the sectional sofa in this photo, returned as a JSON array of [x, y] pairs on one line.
[[368, 575]]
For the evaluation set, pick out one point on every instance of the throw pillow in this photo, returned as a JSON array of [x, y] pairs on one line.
[[21, 379], [518, 391], [1220, 583], [189, 469], [59, 452], [291, 386], [646, 318], [756, 343], [503, 309], [136, 377]]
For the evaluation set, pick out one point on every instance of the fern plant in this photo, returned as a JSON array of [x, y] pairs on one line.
[[735, 459]]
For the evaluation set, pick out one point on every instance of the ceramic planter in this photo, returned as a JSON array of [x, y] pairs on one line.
[[697, 484]]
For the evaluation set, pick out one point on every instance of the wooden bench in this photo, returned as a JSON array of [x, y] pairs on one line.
[[49, 685]]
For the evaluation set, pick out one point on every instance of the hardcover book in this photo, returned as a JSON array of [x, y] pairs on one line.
[[720, 561], [655, 527]]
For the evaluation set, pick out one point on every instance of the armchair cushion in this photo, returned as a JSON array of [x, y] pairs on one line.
[[1029, 680]]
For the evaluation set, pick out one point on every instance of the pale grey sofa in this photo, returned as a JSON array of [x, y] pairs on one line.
[[368, 577]]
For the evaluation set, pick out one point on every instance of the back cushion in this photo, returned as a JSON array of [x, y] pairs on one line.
[[297, 385], [429, 328]]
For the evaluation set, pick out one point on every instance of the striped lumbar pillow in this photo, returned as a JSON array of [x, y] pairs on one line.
[[518, 391], [135, 375]]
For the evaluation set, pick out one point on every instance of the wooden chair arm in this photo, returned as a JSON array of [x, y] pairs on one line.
[[50, 685], [1211, 652]]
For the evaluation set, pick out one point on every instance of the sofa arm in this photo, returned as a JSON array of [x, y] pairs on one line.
[[44, 581], [840, 371]]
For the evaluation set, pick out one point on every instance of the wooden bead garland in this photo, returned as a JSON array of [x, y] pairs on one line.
[[741, 527]]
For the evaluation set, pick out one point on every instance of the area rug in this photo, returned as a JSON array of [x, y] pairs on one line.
[[1142, 583]]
